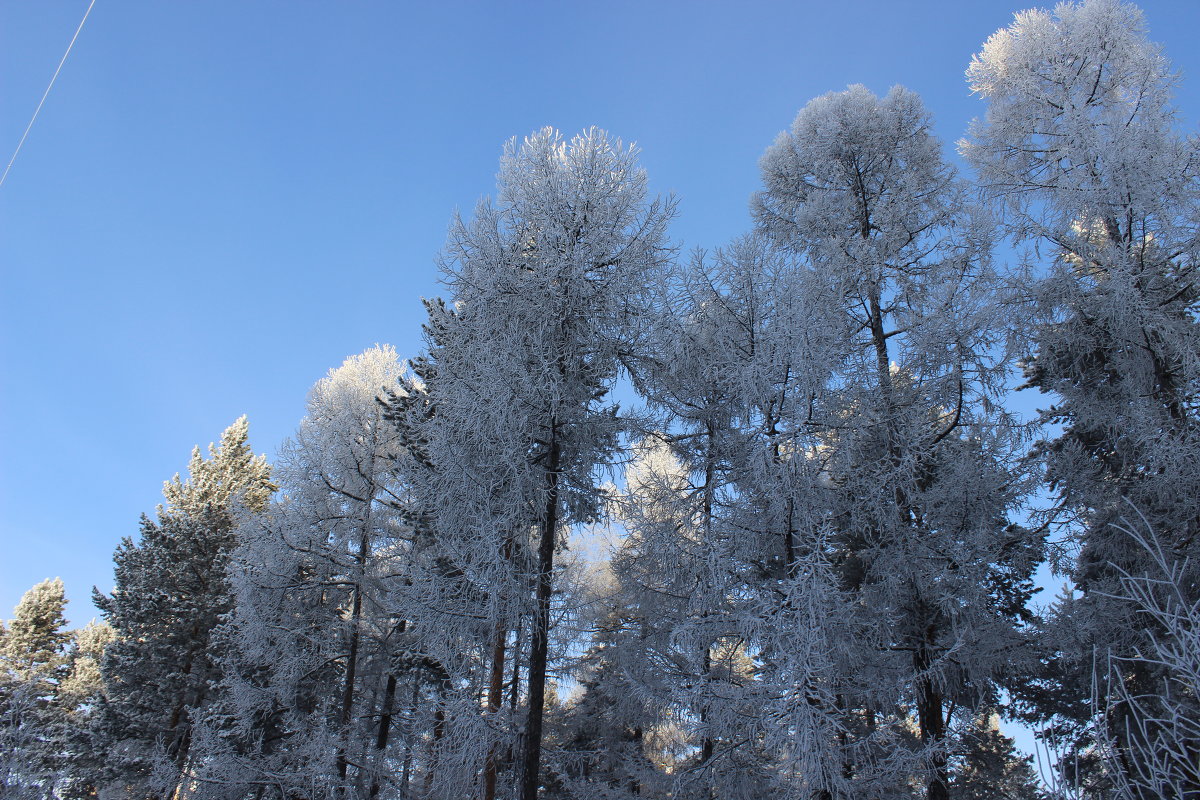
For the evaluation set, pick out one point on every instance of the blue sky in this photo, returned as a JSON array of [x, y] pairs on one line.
[[222, 200]]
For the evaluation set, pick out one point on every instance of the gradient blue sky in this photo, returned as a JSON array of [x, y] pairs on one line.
[[222, 200]]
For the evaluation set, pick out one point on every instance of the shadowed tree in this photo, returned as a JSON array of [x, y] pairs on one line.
[[171, 591]]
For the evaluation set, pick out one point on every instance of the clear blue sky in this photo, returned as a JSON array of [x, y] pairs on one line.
[[222, 200]]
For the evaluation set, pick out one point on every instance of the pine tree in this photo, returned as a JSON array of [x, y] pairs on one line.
[[32, 667], [171, 591], [82, 699]]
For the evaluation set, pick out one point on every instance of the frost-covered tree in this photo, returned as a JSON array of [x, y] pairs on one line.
[[608, 726], [1165, 745], [662, 589], [685, 646], [171, 591], [917, 455], [309, 649], [51, 740], [1081, 146], [989, 766], [548, 287], [714, 508], [455, 595], [82, 698], [33, 665]]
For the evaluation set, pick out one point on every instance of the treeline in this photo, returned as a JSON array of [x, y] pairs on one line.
[[822, 510]]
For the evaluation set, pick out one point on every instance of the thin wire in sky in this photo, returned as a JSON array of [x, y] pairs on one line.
[[46, 93]]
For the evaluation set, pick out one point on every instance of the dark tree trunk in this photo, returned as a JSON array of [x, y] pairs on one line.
[[439, 731], [385, 729], [933, 726], [540, 641], [352, 657], [406, 770], [495, 698]]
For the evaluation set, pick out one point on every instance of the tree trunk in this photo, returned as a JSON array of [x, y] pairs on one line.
[[439, 731], [352, 658], [707, 746], [496, 686], [933, 727], [385, 728], [495, 698], [514, 691], [409, 727], [540, 641]]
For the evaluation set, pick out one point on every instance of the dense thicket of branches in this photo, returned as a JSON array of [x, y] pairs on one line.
[[824, 535]]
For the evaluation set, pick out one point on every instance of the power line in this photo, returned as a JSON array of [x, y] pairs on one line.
[[45, 94]]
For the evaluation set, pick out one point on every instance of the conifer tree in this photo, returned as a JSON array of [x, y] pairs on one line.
[[606, 727], [711, 511], [33, 665], [548, 284], [683, 648], [82, 699], [1081, 146], [918, 456], [991, 766], [310, 650], [171, 591], [458, 594], [51, 696]]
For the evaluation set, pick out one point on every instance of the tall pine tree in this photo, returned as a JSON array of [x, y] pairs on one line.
[[33, 665], [171, 591]]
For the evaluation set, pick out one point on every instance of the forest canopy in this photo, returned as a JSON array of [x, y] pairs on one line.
[[824, 514]]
